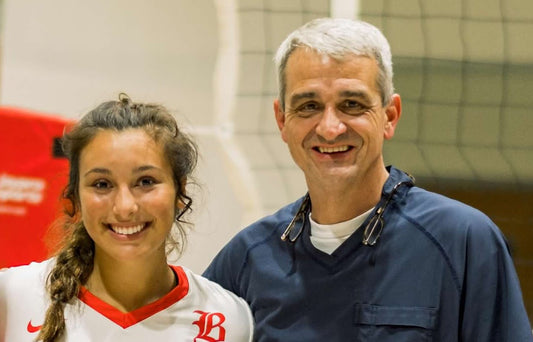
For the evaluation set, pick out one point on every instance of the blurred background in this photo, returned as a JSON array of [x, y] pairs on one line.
[[464, 69]]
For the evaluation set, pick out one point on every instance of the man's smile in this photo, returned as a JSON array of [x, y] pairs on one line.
[[333, 149]]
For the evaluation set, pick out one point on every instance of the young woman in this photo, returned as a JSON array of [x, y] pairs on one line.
[[129, 164]]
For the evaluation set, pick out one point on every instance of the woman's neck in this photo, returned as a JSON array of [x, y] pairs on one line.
[[130, 285]]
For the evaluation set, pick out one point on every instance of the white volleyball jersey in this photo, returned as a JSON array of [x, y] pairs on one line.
[[197, 310]]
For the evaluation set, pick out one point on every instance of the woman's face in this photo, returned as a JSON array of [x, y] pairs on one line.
[[127, 195]]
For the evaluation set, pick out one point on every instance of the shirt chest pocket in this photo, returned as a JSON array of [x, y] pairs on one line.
[[394, 323]]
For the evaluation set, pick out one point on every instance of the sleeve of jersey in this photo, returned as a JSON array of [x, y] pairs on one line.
[[238, 320], [493, 305], [250, 320]]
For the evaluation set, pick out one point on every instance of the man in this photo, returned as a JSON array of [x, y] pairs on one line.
[[368, 256]]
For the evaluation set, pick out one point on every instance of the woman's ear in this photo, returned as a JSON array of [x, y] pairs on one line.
[[179, 205], [180, 193]]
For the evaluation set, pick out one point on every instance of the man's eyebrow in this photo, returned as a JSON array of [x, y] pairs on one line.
[[299, 96], [359, 94], [345, 93]]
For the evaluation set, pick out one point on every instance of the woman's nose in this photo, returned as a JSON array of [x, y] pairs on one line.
[[125, 204]]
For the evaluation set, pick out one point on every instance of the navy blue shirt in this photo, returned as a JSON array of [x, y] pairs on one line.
[[440, 271]]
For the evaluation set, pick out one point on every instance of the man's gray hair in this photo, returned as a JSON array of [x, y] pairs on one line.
[[337, 38]]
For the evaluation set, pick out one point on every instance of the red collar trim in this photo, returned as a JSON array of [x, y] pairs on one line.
[[128, 319]]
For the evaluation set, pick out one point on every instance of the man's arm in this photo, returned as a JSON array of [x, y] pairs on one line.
[[493, 305]]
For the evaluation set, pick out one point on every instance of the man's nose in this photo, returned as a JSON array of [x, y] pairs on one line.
[[330, 125], [125, 204]]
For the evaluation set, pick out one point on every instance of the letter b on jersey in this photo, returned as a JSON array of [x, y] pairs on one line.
[[210, 325]]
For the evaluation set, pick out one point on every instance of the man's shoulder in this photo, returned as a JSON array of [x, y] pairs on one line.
[[425, 200], [270, 224], [441, 214], [263, 233]]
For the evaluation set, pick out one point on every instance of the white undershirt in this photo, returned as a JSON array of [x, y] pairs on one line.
[[328, 237]]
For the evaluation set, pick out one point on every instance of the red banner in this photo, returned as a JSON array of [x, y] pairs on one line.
[[33, 173]]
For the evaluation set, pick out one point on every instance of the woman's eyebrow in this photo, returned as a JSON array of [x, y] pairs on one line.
[[105, 171], [146, 168], [97, 170]]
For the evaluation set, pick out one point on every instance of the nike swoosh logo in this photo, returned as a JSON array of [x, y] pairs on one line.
[[32, 328]]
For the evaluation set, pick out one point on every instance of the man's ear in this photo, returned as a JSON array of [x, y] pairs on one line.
[[280, 118], [393, 112]]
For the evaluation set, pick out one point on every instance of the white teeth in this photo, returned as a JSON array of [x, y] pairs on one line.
[[127, 230], [333, 149]]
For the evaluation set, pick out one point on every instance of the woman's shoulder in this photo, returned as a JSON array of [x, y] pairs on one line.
[[32, 271], [209, 298], [24, 285]]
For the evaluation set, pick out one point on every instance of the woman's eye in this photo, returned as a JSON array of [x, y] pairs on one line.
[[101, 184], [147, 181]]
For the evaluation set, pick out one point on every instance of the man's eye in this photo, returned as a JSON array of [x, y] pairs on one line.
[[352, 107], [309, 106], [308, 109]]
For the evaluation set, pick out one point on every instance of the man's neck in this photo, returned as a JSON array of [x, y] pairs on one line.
[[342, 201]]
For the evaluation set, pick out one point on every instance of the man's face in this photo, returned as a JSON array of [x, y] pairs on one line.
[[333, 121]]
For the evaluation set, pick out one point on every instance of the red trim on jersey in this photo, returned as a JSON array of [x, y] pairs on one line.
[[127, 319]]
